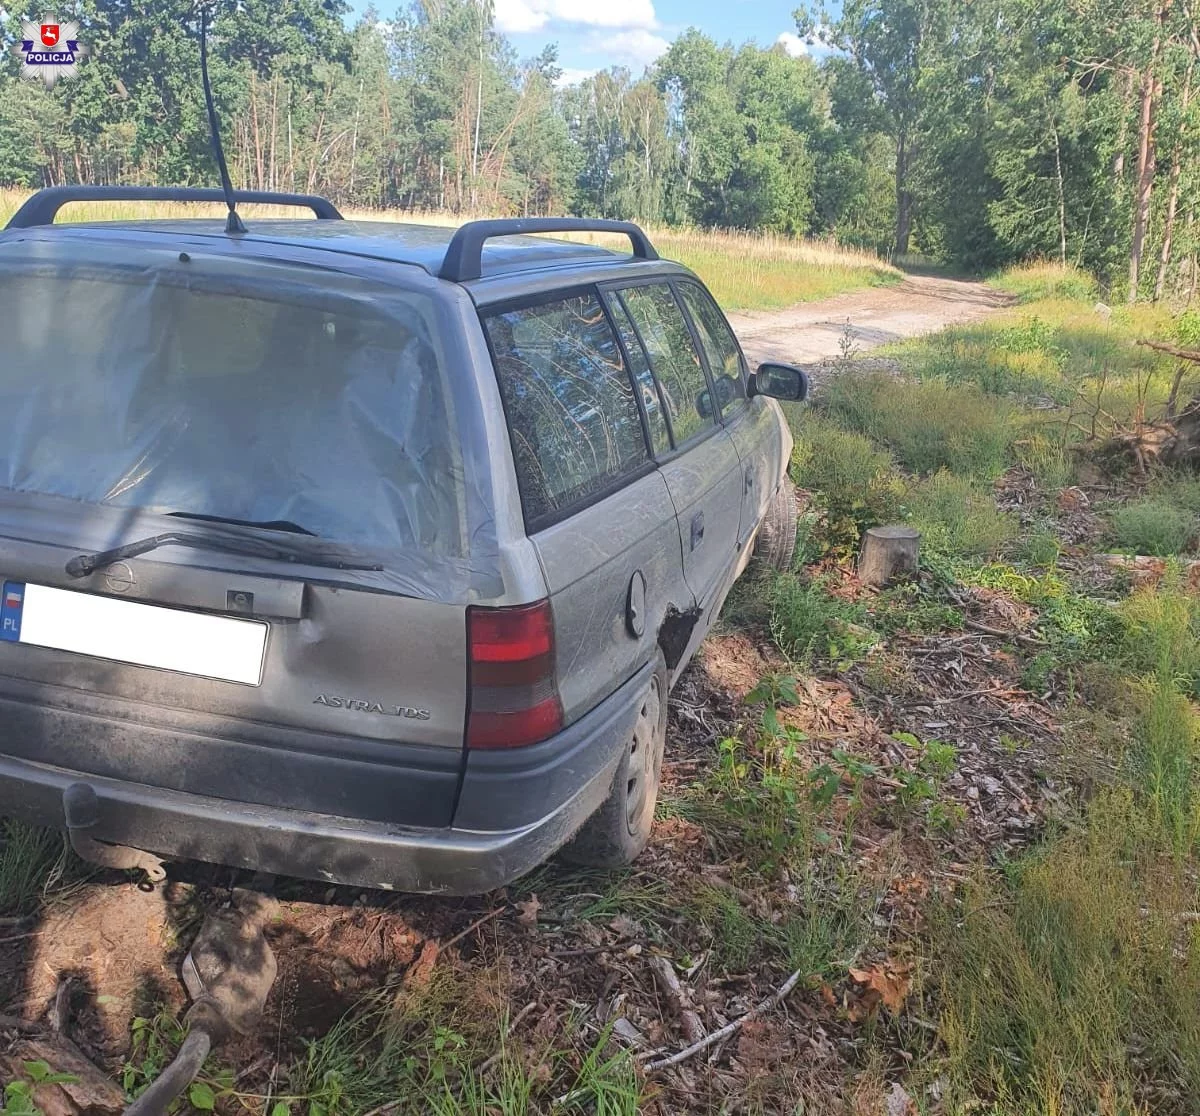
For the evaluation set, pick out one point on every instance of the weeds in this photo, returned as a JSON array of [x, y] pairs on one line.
[[423, 1051], [809, 624], [958, 516], [928, 425], [1153, 526], [1076, 980]]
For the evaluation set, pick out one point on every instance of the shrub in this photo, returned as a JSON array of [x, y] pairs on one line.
[[856, 483], [957, 516], [929, 425], [1152, 526]]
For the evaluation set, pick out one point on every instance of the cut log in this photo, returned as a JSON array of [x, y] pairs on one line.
[[888, 552]]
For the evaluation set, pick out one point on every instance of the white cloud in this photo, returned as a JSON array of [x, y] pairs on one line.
[[793, 44], [571, 76], [518, 16], [635, 47]]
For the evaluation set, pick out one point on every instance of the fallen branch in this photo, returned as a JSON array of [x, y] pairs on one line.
[[999, 633], [474, 926], [776, 997], [1172, 350], [664, 974]]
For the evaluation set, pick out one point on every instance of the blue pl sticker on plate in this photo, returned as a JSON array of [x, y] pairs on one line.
[[11, 604]]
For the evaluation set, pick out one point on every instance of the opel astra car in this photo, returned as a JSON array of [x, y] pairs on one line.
[[363, 552]]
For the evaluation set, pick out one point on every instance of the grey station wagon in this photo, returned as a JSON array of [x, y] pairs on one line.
[[358, 551]]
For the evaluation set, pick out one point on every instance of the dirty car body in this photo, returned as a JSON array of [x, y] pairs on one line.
[[348, 550]]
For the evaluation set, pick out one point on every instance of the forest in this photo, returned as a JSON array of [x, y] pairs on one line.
[[971, 134]]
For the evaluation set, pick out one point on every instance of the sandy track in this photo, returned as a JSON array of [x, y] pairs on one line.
[[812, 331]]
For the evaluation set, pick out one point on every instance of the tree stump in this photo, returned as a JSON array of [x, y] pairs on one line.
[[886, 552]]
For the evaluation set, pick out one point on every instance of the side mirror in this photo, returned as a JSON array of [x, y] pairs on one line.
[[780, 381]]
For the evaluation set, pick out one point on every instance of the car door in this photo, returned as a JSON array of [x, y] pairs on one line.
[[702, 470], [753, 424], [597, 510]]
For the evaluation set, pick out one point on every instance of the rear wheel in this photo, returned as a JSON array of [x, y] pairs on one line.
[[620, 829], [776, 543]]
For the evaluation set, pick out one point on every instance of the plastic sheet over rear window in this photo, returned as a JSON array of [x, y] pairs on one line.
[[244, 389]]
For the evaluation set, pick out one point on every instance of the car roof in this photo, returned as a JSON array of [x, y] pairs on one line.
[[422, 246]]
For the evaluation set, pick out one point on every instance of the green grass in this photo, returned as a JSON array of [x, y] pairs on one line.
[[443, 1050], [31, 861], [812, 626], [957, 515], [1074, 976], [1032, 282], [928, 425], [1155, 525]]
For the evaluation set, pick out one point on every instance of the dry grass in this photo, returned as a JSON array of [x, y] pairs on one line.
[[744, 270]]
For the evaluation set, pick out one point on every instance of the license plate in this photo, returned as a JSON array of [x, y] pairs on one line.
[[130, 632]]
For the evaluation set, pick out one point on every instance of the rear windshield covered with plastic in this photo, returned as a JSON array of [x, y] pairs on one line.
[[249, 390]]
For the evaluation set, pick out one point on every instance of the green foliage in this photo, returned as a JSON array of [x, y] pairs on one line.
[[910, 608], [18, 1094], [809, 624], [1153, 526], [959, 516], [928, 425], [855, 483]]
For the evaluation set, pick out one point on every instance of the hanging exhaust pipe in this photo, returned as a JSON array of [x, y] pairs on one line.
[[228, 973]]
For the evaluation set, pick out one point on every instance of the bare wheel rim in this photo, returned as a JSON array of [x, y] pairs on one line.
[[642, 762]]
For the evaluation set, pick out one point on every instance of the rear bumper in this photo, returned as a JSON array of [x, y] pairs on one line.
[[514, 810]]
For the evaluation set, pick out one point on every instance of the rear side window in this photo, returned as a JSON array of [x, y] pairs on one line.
[[720, 347], [660, 438], [572, 417], [663, 328]]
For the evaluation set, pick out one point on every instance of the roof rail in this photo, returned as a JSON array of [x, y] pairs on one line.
[[464, 254], [45, 204]]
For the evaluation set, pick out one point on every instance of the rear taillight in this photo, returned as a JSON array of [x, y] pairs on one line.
[[514, 698]]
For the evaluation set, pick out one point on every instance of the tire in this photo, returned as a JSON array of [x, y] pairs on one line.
[[617, 833], [776, 543]]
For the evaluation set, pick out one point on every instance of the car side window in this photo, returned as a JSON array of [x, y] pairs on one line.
[[660, 437], [572, 416], [664, 330], [718, 343]]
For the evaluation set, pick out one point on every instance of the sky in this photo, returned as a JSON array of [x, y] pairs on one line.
[[596, 34]]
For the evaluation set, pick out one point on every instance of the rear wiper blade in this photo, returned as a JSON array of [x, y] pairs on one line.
[[83, 564], [262, 525]]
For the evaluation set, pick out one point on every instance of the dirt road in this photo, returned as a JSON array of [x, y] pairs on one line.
[[812, 332]]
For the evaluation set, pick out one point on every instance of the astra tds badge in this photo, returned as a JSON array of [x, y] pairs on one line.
[[356, 706]]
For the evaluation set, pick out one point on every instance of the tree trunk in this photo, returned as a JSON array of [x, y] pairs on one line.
[[903, 197], [887, 552], [1062, 202], [1144, 189], [1164, 260]]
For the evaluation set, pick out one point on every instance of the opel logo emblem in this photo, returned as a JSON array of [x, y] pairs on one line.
[[119, 577]]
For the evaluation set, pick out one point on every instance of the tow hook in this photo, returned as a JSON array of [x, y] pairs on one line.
[[81, 809]]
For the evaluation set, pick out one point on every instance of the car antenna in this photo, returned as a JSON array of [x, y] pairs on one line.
[[233, 223]]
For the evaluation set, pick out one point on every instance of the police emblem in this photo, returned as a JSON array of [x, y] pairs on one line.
[[50, 50]]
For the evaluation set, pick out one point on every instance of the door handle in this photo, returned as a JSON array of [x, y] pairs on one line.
[[697, 529], [749, 478]]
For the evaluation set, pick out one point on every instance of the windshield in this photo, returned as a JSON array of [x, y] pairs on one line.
[[238, 389]]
